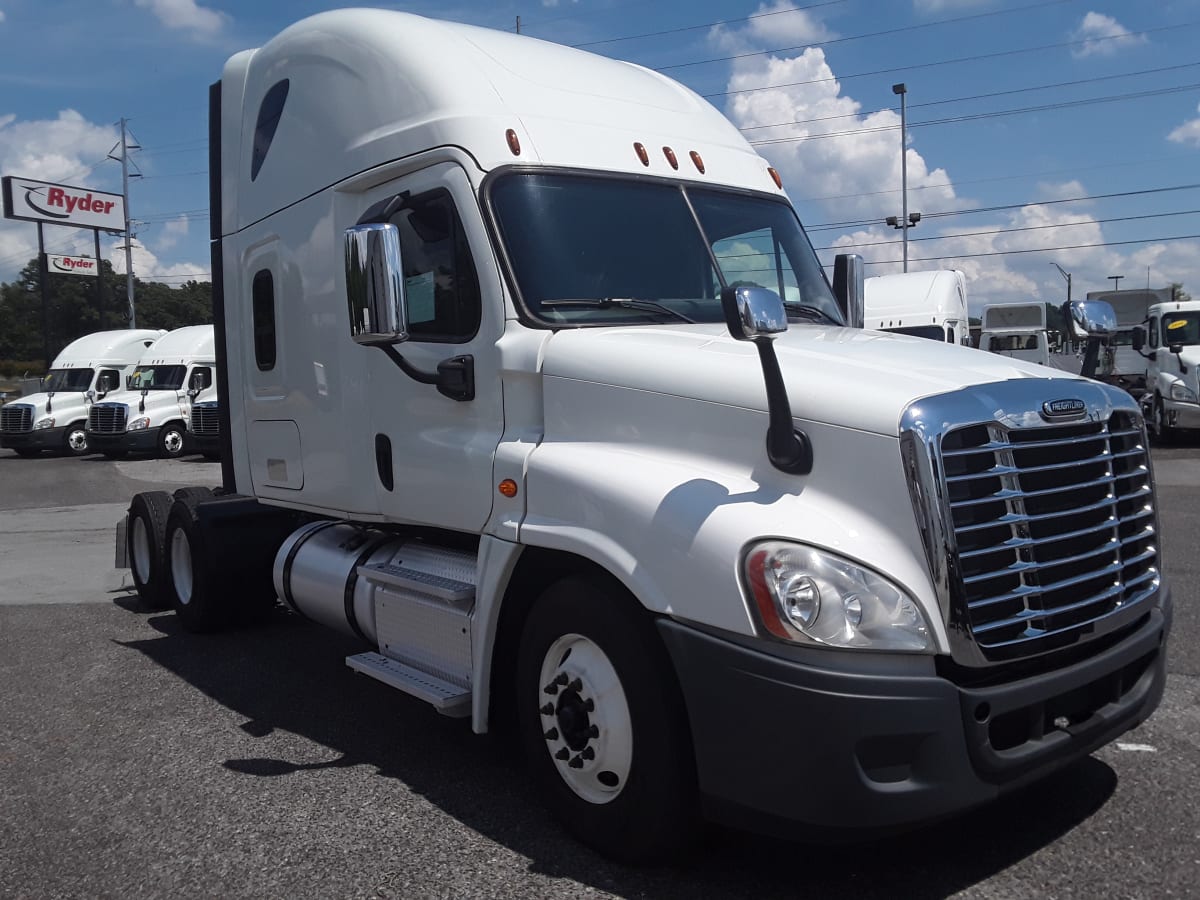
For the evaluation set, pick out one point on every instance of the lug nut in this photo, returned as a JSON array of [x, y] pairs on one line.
[[576, 685], [551, 735], [562, 678], [576, 763], [589, 704], [588, 753], [564, 753], [593, 732], [547, 710]]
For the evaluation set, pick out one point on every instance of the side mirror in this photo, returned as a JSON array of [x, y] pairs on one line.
[[1139, 338], [1175, 348], [375, 285], [91, 395], [753, 312], [129, 382], [849, 279], [1092, 318]]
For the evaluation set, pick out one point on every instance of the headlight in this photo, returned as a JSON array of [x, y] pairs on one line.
[[138, 424], [1180, 391], [47, 422], [807, 596]]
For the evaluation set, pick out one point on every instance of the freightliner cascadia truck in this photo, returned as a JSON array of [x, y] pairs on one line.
[[531, 382]]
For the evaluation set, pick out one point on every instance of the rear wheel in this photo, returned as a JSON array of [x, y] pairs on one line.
[[75, 440], [602, 722], [144, 536], [171, 440], [194, 589]]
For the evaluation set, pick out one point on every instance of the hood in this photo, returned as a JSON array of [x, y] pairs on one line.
[[838, 376]]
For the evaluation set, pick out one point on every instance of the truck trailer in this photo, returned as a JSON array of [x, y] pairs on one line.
[[88, 369], [531, 383]]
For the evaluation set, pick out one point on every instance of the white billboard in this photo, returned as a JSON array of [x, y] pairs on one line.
[[61, 204], [71, 265]]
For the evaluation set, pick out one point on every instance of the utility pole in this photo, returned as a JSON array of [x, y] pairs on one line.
[[518, 24], [126, 146]]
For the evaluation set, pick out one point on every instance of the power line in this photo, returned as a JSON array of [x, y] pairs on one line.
[[871, 34], [1179, 237]]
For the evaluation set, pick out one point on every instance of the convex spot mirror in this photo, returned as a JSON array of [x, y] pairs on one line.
[[375, 297], [1092, 318], [753, 312]]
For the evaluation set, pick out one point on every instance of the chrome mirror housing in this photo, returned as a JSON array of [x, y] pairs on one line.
[[849, 288], [753, 312], [1092, 318], [375, 285]]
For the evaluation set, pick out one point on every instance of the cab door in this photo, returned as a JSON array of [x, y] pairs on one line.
[[434, 454]]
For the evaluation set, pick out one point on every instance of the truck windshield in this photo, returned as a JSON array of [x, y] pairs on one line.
[[1007, 343], [67, 380], [1181, 328], [157, 378], [933, 332], [591, 250]]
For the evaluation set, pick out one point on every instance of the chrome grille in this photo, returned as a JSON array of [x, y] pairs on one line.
[[1039, 533], [107, 418], [16, 418], [205, 420]]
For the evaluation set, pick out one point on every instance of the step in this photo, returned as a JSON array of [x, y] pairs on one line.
[[448, 699], [448, 589]]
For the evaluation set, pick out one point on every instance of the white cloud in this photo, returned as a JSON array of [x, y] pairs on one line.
[[937, 6], [782, 23], [148, 267], [186, 15], [1187, 133], [1102, 36], [2, 15], [172, 232]]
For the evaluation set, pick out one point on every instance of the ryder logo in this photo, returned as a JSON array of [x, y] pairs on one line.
[[42, 201], [63, 202], [71, 265]]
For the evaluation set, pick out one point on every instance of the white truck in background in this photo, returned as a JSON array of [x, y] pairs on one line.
[[1132, 307], [1017, 330], [931, 304], [88, 369], [531, 383], [1169, 343], [150, 414]]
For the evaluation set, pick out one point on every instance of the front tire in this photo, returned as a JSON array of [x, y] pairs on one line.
[[172, 440], [144, 537], [75, 440], [603, 724]]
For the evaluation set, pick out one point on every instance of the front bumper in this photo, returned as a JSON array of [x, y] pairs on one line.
[[39, 439], [1182, 415], [143, 441], [204, 443], [787, 747]]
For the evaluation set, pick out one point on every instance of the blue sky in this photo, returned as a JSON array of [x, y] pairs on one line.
[[1025, 118]]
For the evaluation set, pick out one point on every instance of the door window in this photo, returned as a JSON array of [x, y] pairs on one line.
[[1152, 332], [440, 283]]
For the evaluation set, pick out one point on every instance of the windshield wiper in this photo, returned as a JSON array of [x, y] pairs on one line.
[[794, 308], [620, 303]]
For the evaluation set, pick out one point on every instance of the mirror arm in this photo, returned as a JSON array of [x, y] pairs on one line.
[[788, 448], [454, 378]]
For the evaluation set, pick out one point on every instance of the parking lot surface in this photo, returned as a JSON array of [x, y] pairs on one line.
[[137, 760]]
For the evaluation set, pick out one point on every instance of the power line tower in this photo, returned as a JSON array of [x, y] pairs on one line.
[[126, 144]]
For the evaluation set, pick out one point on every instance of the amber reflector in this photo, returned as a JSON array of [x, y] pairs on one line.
[[698, 161], [775, 178], [508, 487], [514, 143], [641, 152], [670, 155]]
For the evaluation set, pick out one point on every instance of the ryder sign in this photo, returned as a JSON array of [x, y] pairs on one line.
[[71, 265], [61, 204]]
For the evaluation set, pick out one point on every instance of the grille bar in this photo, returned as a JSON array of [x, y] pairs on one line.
[[16, 418], [993, 446], [999, 470], [205, 420], [107, 418]]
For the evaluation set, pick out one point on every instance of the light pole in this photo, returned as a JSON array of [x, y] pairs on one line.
[[1114, 279], [1066, 309], [902, 91], [1067, 275]]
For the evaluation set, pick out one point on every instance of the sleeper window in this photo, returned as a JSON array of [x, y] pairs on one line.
[[263, 301]]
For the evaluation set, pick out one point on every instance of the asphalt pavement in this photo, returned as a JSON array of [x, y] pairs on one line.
[[137, 760]]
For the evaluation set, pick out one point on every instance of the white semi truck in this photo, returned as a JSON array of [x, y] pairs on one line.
[[931, 304], [1169, 343], [531, 382], [88, 369], [1017, 330], [1131, 306], [151, 413]]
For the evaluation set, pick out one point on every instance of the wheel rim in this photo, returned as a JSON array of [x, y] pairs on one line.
[[77, 440], [585, 718], [173, 442], [141, 550], [181, 566]]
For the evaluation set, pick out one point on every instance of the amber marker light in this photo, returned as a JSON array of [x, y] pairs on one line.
[[670, 155], [508, 488], [642, 153], [698, 161], [514, 143], [775, 177]]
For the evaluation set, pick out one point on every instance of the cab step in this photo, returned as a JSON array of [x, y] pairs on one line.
[[448, 699]]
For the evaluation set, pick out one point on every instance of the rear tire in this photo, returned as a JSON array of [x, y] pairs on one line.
[[75, 440], [172, 440], [144, 537], [603, 724], [192, 588]]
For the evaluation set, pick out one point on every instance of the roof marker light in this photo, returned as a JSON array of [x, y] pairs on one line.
[[514, 143], [641, 152], [698, 161], [775, 177], [670, 155]]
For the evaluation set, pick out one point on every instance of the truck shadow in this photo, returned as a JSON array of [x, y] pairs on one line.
[[291, 675]]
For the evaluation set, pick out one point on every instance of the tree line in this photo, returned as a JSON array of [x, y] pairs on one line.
[[72, 309]]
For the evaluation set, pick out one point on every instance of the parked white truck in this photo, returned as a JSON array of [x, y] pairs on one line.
[[930, 304], [1128, 368], [151, 413], [88, 369], [1170, 346], [531, 382], [1017, 330]]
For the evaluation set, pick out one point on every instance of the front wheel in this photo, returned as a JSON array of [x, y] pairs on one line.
[[603, 724], [171, 441], [75, 440]]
